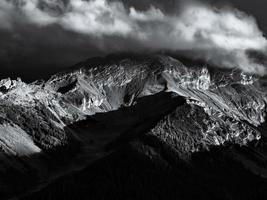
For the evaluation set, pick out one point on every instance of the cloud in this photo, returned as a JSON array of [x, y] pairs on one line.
[[220, 36]]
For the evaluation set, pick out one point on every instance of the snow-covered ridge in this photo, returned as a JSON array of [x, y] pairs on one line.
[[100, 87]]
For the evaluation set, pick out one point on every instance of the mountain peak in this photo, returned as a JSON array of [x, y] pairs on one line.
[[106, 101]]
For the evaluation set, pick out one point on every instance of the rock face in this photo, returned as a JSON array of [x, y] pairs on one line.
[[44, 117]]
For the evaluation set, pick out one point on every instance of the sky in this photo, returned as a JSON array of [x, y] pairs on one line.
[[41, 37]]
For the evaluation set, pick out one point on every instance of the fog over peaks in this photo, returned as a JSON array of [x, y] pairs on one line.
[[221, 36]]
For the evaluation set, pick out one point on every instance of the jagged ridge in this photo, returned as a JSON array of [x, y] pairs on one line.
[[101, 85]]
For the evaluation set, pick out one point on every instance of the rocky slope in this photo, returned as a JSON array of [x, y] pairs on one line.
[[57, 123]]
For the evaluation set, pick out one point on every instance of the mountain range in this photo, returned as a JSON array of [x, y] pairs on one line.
[[110, 127]]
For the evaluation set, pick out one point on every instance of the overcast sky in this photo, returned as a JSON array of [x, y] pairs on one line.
[[44, 36]]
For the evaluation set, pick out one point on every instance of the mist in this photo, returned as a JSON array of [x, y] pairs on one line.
[[221, 36]]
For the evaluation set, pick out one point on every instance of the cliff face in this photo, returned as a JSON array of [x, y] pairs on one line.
[[44, 116]]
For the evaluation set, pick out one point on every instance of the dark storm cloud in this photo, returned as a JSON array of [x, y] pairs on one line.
[[73, 29]]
